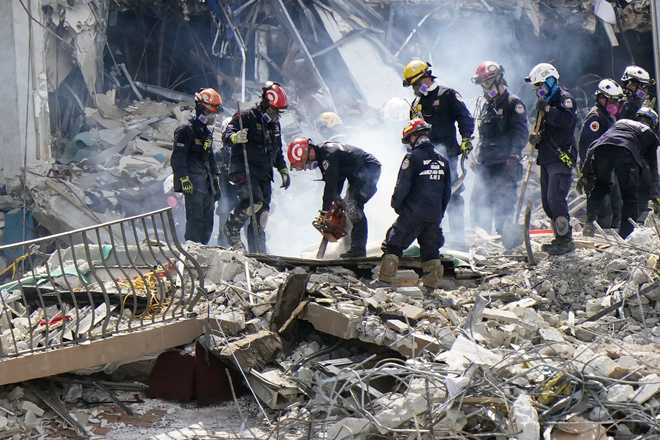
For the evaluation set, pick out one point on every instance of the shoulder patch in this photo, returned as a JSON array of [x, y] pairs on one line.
[[405, 164], [325, 165], [520, 108], [567, 103], [594, 126]]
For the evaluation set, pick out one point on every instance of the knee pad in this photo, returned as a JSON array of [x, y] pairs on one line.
[[262, 218], [562, 226], [253, 209]]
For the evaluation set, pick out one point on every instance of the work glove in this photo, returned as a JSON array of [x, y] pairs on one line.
[[466, 146], [286, 179], [240, 137], [534, 139], [566, 159], [186, 185]]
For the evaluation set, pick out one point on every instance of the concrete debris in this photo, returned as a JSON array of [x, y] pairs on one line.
[[321, 345]]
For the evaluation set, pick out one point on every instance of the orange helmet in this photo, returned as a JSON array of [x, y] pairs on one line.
[[298, 152], [209, 99], [275, 96], [415, 126]]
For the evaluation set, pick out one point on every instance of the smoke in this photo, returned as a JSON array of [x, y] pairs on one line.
[[456, 49]]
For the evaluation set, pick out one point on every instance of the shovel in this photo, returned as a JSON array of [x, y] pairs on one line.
[[514, 233]]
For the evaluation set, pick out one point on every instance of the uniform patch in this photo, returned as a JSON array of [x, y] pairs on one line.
[[325, 165], [405, 164], [520, 109], [436, 103], [568, 103], [594, 126]]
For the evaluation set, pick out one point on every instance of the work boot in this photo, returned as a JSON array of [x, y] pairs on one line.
[[433, 271], [553, 242], [564, 242], [389, 264], [562, 246], [354, 253], [588, 229]]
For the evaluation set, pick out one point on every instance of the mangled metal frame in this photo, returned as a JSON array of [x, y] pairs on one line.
[[134, 267]]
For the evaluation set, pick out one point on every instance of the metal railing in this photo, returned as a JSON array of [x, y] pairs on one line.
[[91, 283]]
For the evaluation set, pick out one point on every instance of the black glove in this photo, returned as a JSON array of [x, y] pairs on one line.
[[286, 179], [534, 139]]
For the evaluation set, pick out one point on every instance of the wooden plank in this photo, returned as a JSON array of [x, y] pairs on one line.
[[119, 348]]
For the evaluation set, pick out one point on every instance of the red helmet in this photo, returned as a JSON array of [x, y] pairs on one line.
[[275, 96], [488, 71], [298, 152], [415, 126], [209, 99]]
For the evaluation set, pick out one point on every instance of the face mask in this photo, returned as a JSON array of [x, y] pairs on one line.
[[542, 91], [640, 93], [613, 109], [206, 119], [491, 92]]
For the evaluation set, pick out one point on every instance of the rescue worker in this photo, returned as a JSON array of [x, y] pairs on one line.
[[330, 127], [629, 149], [638, 88], [421, 196], [194, 166], [556, 152], [442, 108], [601, 117], [640, 91], [502, 124], [258, 131], [341, 163]]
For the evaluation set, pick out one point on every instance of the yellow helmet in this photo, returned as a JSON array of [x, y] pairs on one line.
[[329, 120], [415, 70]]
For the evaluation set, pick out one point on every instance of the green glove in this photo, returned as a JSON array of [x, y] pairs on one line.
[[186, 185], [656, 206], [466, 146], [240, 137], [566, 159], [286, 179]]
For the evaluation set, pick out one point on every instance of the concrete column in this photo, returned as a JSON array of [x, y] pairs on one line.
[[24, 121]]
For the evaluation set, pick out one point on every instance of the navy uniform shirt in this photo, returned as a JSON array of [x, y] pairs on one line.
[[503, 129], [443, 107], [423, 187], [192, 156], [558, 129], [264, 146]]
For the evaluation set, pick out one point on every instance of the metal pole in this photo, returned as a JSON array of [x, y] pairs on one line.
[[294, 30], [241, 45], [253, 215], [655, 20]]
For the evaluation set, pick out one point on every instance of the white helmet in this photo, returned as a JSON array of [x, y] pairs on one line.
[[636, 72], [396, 110], [541, 72], [610, 89]]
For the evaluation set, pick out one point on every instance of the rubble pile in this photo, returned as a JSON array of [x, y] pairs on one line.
[[566, 350], [119, 167]]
